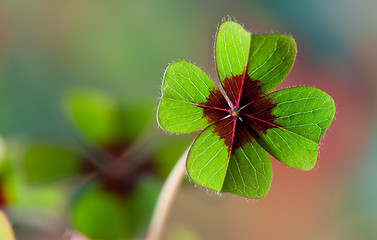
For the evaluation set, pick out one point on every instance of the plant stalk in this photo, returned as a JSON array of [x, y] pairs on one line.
[[165, 200]]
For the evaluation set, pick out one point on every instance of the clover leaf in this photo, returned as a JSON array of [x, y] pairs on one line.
[[244, 121]]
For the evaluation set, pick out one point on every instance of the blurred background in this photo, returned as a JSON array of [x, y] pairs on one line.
[[79, 87]]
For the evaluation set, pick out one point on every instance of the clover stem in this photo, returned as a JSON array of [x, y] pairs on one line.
[[167, 195]]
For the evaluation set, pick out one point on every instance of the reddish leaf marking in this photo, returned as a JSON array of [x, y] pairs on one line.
[[3, 199], [233, 88], [247, 116], [122, 177], [216, 107]]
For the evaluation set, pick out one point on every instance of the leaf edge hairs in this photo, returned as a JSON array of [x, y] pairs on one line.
[[244, 120]]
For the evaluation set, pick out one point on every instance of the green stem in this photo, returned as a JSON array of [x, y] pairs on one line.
[[165, 200]]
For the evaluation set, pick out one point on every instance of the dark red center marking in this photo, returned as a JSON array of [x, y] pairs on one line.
[[3, 198], [247, 116], [122, 176]]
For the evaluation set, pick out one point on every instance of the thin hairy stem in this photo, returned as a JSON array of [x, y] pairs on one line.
[[165, 200]]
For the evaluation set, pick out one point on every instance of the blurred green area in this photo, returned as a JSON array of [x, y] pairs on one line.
[[111, 174], [56, 163], [80, 80]]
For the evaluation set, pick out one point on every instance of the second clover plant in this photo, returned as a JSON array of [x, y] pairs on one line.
[[244, 121]]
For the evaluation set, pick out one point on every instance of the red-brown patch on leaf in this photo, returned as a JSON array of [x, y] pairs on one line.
[[248, 116]]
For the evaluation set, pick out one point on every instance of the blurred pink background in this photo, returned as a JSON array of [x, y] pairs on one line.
[[123, 47]]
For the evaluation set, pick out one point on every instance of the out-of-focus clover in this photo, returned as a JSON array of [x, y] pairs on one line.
[[29, 207], [115, 165]]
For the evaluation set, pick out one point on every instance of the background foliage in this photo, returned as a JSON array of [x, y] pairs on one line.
[[49, 48]]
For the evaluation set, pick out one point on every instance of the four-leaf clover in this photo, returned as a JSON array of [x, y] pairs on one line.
[[242, 120]]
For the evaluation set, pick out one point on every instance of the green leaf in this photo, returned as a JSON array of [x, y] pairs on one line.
[[96, 115], [184, 86], [270, 59], [101, 215], [142, 202], [249, 172], [47, 198], [244, 120], [304, 114], [136, 114], [243, 170], [207, 160], [6, 232], [232, 49], [44, 162]]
